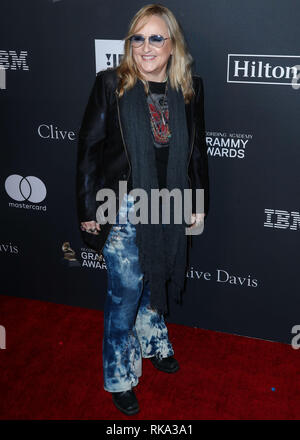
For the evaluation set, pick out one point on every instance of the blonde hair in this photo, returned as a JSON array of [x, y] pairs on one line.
[[179, 63]]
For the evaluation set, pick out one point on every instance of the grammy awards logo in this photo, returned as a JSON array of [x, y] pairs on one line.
[[69, 258]]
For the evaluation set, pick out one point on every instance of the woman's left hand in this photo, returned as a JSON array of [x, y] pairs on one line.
[[196, 219]]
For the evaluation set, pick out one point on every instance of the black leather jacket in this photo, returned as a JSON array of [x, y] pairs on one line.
[[103, 160]]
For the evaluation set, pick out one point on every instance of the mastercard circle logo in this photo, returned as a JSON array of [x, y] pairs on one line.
[[29, 188]]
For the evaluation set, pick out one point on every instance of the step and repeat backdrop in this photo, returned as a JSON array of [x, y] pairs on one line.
[[243, 272]]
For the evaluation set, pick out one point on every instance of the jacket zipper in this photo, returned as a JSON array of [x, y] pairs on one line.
[[125, 148], [193, 138]]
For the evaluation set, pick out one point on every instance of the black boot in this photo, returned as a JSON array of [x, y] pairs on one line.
[[167, 365], [126, 402]]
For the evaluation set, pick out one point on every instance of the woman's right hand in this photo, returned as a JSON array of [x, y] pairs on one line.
[[91, 227]]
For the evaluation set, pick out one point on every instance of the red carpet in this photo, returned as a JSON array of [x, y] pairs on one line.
[[51, 369]]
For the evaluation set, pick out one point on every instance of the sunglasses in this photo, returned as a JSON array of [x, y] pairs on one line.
[[155, 40]]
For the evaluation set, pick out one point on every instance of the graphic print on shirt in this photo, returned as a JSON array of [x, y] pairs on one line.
[[159, 129]]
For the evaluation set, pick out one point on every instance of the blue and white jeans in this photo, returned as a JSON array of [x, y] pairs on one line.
[[132, 330]]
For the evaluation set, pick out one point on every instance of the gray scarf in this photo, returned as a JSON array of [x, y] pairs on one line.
[[162, 251]]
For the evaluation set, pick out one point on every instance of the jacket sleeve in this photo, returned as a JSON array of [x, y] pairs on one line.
[[90, 136], [199, 161]]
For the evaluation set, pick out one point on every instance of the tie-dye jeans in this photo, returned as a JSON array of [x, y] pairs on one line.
[[132, 330]]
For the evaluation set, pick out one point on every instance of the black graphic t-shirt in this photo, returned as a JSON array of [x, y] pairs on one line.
[[160, 145]]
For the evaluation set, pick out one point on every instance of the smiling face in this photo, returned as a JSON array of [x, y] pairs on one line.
[[152, 61]]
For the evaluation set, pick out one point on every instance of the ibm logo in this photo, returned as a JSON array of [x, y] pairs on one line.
[[278, 219], [263, 69], [11, 60]]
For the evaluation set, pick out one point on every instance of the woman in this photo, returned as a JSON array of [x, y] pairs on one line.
[[143, 125]]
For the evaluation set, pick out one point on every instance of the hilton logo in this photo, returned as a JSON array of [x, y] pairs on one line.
[[279, 219], [263, 69]]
